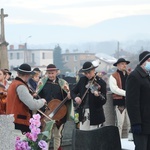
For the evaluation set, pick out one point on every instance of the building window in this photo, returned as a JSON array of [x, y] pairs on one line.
[[18, 55], [43, 55], [33, 56], [11, 55], [75, 58], [66, 58]]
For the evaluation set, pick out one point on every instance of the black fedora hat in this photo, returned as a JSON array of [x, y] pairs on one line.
[[24, 68], [121, 60], [87, 66], [51, 67]]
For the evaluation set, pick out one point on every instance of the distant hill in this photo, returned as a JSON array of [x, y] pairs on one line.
[[126, 28], [101, 37]]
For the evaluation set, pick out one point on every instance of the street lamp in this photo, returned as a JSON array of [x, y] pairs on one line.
[[27, 40]]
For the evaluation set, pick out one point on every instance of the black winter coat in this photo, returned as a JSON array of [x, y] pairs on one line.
[[138, 98], [95, 103]]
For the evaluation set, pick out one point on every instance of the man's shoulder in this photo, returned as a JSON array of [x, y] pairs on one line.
[[61, 80], [14, 82], [115, 73], [84, 78], [44, 78], [99, 78], [135, 74], [136, 71]]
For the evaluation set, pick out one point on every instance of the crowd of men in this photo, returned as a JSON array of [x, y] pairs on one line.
[[29, 92]]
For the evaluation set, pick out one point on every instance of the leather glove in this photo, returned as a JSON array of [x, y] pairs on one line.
[[136, 129]]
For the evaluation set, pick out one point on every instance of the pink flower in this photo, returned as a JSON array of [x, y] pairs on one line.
[[43, 145], [36, 130], [29, 136], [32, 126], [36, 117], [35, 121], [18, 138], [32, 136], [32, 141], [22, 145]]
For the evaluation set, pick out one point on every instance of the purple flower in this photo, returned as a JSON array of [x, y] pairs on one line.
[[22, 145], [32, 136], [35, 130], [35, 121], [36, 117], [32, 140], [43, 145]]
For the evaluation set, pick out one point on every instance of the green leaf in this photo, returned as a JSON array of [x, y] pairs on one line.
[[46, 134], [49, 125]]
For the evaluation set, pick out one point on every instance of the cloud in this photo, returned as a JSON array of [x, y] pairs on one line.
[[82, 13]]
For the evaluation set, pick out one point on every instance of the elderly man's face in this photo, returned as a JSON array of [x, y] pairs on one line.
[[52, 74], [122, 66]]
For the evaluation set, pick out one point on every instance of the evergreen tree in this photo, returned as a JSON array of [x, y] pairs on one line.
[[58, 60]]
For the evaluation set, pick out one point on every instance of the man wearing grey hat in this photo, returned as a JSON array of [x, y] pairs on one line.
[[20, 101], [138, 102], [117, 83]]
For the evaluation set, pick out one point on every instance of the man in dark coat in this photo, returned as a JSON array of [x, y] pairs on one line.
[[55, 90], [90, 95], [138, 102]]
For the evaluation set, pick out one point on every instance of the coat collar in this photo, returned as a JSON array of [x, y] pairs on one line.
[[141, 71]]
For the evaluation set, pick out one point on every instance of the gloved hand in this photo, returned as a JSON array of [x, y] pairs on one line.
[[136, 129]]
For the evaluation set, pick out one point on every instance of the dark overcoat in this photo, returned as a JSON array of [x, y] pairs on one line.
[[95, 103], [138, 98]]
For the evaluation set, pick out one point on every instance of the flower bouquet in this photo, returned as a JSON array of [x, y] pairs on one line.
[[35, 140]]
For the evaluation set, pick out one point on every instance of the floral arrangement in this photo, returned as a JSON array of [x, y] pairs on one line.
[[35, 140]]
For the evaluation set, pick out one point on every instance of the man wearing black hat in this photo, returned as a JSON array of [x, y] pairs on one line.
[[20, 102], [90, 95], [138, 102], [117, 83], [51, 88]]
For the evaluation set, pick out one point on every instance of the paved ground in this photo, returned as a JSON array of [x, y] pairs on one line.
[[127, 145]]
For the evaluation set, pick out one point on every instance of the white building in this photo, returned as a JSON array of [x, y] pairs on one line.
[[34, 57]]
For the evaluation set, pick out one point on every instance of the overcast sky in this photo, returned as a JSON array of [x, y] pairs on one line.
[[80, 13]]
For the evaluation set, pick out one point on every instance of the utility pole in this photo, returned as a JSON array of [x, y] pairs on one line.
[[3, 43], [118, 49], [27, 53]]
